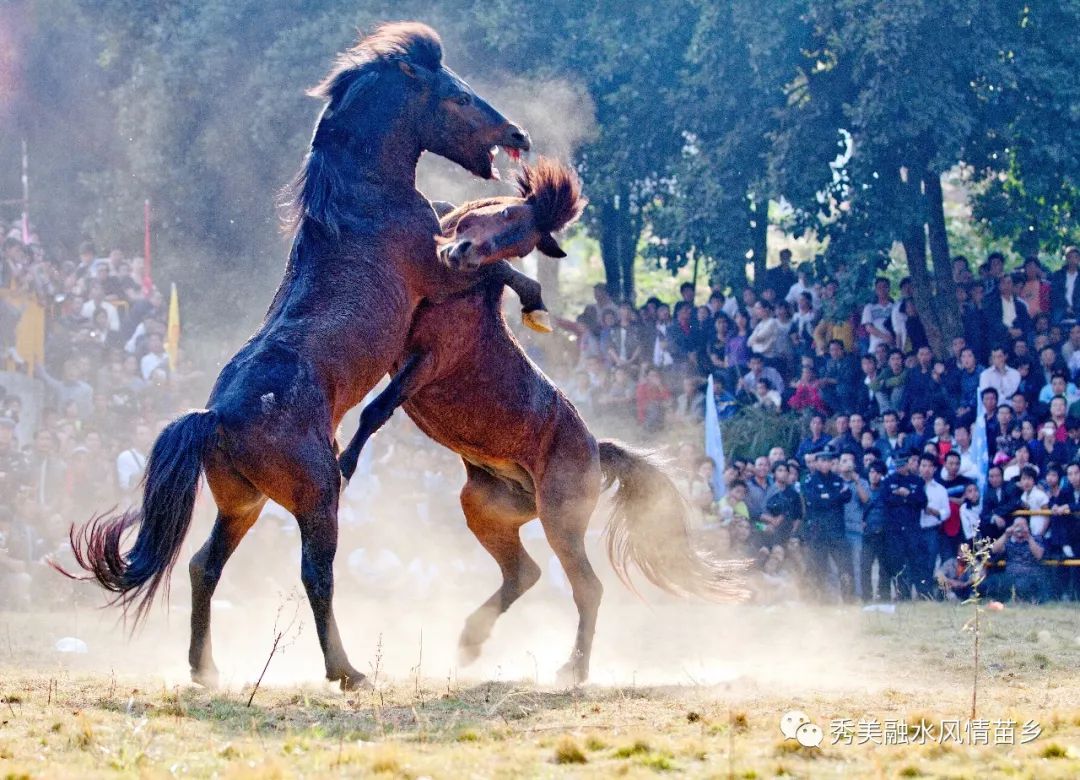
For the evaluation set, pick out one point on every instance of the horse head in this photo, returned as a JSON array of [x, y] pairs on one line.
[[388, 99], [487, 231]]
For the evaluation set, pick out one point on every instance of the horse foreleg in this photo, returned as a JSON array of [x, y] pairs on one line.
[[534, 313], [495, 513], [375, 415]]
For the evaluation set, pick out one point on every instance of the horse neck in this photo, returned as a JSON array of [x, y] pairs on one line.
[[380, 154]]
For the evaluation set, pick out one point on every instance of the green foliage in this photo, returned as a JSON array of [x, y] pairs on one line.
[[753, 432]]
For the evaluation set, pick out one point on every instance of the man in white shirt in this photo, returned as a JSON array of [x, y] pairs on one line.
[[876, 314], [1035, 499], [155, 356], [763, 339], [1000, 376], [131, 463], [803, 285], [97, 301], [935, 513]]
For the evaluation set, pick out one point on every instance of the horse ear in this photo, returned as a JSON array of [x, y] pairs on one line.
[[549, 246]]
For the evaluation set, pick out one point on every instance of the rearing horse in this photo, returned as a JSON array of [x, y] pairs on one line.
[[362, 258], [526, 450]]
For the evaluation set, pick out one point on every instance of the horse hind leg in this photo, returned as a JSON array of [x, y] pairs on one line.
[[314, 503], [239, 505], [565, 517], [495, 513]]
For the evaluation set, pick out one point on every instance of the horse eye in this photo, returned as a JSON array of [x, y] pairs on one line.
[[505, 213], [463, 99]]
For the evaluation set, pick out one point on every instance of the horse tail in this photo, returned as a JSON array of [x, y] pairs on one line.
[[169, 488], [649, 528]]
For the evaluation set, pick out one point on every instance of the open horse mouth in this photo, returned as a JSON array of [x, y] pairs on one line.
[[513, 141], [512, 152]]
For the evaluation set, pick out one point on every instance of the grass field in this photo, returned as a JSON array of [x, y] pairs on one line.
[[728, 675]]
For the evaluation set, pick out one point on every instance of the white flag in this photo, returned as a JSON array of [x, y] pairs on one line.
[[714, 440]]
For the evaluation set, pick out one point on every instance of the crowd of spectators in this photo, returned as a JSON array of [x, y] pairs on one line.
[[910, 456], [881, 499], [86, 385]]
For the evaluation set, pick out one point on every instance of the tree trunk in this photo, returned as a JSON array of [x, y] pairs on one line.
[[609, 247], [758, 215], [948, 314]]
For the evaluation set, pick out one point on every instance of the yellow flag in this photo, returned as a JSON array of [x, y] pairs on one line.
[[172, 332]]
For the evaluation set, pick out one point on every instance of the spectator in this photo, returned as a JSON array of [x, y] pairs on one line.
[[1023, 578], [877, 315], [826, 496], [131, 463], [1064, 295]]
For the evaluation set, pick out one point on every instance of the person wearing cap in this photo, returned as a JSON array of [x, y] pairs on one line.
[[825, 496], [783, 507], [1064, 291], [875, 518], [905, 498]]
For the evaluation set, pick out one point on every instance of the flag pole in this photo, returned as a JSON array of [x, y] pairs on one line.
[[148, 281], [25, 194]]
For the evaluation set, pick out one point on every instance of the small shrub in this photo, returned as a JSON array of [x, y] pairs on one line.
[[594, 743], [1054, 750], [661, 762], [568, 752], [639, 748]]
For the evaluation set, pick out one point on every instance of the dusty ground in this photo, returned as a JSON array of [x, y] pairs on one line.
[[686, 690]]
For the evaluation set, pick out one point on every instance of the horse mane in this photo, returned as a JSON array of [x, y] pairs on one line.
[[314, 192], [411, 42], [554, 192]]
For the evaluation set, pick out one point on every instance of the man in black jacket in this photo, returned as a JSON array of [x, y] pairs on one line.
[[905, 498], [1000, 500], [1064, 290], [825, 495]]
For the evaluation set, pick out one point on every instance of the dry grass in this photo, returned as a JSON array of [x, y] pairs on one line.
[[57, 722]]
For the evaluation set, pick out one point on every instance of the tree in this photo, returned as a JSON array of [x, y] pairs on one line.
[[914, 87], [1035, 196], [628, 55], [731, 90]]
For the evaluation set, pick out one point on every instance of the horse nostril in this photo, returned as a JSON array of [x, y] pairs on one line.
[[520, 137], [463, 247]]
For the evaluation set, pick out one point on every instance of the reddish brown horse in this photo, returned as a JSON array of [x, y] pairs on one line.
[[362, 258], [467, 384]]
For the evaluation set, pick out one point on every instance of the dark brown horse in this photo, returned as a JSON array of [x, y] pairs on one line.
[[362, 258], [527, 453]]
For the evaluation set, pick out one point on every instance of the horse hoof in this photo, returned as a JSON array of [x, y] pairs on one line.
[[571, 675], [207, 678], [467, 654], [353, 682], [538, 320]]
